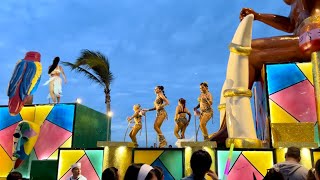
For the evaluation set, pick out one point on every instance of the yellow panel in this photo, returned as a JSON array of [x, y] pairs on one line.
[[278, 115], [148, 157], [211, 152], [5, 163], [42, 112], [305, 156], [27, 113], [306, 68], [255, 158], [67, 144], [66, 159], [316, 156]]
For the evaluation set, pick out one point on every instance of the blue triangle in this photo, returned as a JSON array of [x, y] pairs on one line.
[[62, 115], [281, 76], [166, 173], [6, 119]]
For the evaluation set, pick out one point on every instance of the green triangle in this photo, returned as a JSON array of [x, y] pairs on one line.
[[25, 168], [96, 159], [223, 157], [173, 161]]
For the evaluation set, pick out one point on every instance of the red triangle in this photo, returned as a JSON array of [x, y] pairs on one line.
[[6, 139], [51, 137], [87, 169], [243, 170]]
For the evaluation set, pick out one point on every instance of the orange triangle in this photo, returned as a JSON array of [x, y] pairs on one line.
[[66, 144], [67, 158], [255, 159], [27, 113], [306, 68], [148, 157], [278, 115], [42, 112]]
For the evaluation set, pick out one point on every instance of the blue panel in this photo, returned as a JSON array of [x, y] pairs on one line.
[[281, 76], [62, 115], [6, 119], [166, 173]]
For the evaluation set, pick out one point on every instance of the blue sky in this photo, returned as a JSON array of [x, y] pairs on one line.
[[177, 44]]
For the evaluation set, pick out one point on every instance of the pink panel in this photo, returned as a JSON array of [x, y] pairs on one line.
[[50, 139], [6, 139], [298, 100], [243, 170], [87, 170]]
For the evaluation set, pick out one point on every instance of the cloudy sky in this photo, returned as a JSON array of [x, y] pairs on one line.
[[174, 43]]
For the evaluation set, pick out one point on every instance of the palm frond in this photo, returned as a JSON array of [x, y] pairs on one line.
[[85, 72]]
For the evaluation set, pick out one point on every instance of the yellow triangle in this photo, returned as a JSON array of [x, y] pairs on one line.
[[42, 112], [66, 144], [27, 113], [148, 157], [6, 163], [278, 115], [255, 158], [306, 68], [67, 158]]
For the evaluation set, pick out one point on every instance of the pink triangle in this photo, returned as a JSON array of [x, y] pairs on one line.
[[298, 100], [243, 170], [51, 137], [6, 140], [87, 169]]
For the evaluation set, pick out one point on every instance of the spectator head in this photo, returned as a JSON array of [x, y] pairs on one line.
[[293, 153], [200, 163], [110, 173], [159, 172], [140, 172], [311, 174], [273, 174], [14, 176], [76, 169]]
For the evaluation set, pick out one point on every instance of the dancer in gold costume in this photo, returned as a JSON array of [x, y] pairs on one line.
[[181, 118], [137, 116]]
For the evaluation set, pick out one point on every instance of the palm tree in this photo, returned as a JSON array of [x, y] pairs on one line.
[[95, 66]]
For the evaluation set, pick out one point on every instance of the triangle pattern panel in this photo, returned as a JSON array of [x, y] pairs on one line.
[[6, 163], [6, 119], [6, 140], [27, 113], [306, 69], [255, 158], [280, 76], [41, 113], [298, 100], [166, 173], [87, 170], [279, 115], [146, 156], [66, 159], [62, 115], [173, 161], [66, 144], [51, 137], [96, 159], [223, 157], [243, 170]]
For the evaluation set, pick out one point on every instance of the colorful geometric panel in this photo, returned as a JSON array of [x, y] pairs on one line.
[[244, 170], [50, 139], [166, 173], [62, 115], [27, 113], [170, 160], [91, 163], [6, 140], [6, 164], [245, 164], [306, 69], [41, 112], [66, 144], [298, 100], [279, 115], [281, 76], [6, 119]]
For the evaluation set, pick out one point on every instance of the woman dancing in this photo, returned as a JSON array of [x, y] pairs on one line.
[[137, 116], [55, 81], [181, 119], [160, 102]]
